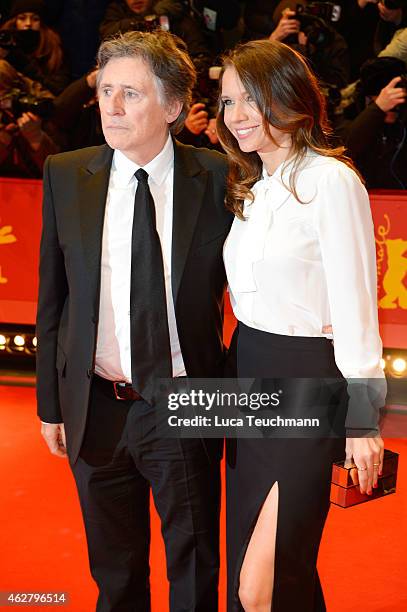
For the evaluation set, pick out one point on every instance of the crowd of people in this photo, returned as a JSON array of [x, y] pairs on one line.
[[357, 48]]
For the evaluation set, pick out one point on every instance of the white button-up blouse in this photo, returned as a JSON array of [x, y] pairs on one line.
[[294, 268]]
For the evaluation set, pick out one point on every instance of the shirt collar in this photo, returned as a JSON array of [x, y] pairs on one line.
[[157, 168], [283, 170], [279, 172]]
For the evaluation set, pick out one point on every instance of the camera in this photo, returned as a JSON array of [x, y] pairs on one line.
[[327, 11], [26, 40], [149, 23], [314, 18], [17, 102]]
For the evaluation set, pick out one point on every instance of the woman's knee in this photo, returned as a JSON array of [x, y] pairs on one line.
[[254, 600]]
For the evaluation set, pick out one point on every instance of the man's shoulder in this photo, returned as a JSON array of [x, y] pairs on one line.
[[78, 157], [208, 158]]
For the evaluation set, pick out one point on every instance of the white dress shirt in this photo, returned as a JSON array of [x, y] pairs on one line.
[[113, 354], [295, 268]]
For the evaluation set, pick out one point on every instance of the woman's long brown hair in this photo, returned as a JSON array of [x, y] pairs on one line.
[[286, 92]]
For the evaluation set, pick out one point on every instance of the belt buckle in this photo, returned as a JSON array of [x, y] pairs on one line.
[[117, 385]]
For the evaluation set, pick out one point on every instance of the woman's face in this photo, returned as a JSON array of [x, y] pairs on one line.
[[28, 21], [243, 119], [139, 6]]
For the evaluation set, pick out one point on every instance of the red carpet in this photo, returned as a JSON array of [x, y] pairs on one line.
[[363, 562]]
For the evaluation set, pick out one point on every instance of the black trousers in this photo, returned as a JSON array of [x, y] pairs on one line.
[[120, 459]]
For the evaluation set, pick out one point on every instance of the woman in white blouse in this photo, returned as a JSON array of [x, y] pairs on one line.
[[300, 260]]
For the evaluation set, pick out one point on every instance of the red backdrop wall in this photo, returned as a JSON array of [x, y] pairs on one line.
[[20, 227]]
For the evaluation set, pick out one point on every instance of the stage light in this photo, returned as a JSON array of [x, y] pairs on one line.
[[19, 341], [35, 341], [382, 364], [3, 340], [399, 365]]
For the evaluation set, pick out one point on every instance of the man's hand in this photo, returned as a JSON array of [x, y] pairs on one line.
[[91, 79], [30, 128], [363, 3], [391, 96], [197, 119], [54, 436], [286, 26], [391, 15], [211, 131]]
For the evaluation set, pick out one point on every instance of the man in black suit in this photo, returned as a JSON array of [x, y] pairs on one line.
[[131, 291]]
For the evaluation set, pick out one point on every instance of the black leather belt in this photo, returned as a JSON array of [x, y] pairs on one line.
[[120, 390]]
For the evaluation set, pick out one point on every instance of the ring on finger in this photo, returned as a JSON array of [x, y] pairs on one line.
[[361, 469]]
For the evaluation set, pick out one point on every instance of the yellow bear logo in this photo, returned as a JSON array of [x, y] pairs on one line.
[[393, 279], [6, 237]]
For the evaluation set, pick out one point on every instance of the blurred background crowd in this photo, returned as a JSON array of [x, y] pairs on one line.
[[358, 49]]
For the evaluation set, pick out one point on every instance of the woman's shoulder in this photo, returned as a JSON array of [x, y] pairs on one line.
[[322, 168], [313, 160], [326, 180]]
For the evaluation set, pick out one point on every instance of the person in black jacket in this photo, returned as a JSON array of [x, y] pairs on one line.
[[376, 137], [122, 14], [26, 138], [277, 21], [38, 57], [126, 15], [97, 381]]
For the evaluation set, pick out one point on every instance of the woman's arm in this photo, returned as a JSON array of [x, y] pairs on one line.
[[346, 236]]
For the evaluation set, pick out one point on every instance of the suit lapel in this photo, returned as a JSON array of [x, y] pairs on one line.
[[93, 182], [190, 181]]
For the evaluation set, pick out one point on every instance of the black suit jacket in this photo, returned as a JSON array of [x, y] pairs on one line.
[[75, 189]]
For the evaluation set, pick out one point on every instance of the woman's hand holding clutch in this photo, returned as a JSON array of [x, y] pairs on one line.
[[367, 456]]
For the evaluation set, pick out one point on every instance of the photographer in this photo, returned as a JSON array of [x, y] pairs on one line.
[[393, 16], [220, 22], [316, 39], [32, 47], [376, 138], [76, 114], [259, 18], [126, 15], [25, 138], [121, 15], [357, 24]]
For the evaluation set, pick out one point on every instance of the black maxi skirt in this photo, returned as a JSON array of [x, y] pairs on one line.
[[301, 466]]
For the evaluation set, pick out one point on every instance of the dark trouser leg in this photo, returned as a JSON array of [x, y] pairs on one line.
[[115, 507], [114, 499], [186, 489]]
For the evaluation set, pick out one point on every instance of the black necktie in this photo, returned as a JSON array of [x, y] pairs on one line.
[[150, 339]]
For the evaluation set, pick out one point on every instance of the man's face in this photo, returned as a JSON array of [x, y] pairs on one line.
[[134, 118], [139, 6]]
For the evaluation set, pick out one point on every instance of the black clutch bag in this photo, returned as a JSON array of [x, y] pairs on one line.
[[344, 491]]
